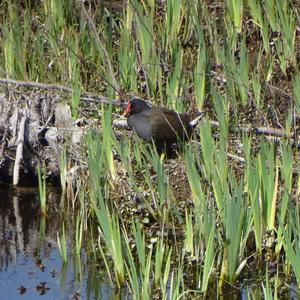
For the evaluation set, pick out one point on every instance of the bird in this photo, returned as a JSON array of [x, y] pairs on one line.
[[163, 126]]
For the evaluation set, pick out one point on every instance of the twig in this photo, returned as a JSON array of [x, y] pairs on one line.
[[19, 152], [33, 84], [236, 157], [256, 130], [87, 97]]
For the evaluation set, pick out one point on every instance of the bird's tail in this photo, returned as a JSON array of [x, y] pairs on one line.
[[195, 121]]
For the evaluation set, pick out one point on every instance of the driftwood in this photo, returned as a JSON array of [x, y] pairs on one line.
[[33, 130], [36, 126]]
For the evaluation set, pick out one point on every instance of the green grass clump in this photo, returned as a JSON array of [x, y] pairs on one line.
[[229, 203]]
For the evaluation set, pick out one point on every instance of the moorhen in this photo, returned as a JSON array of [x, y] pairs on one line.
[[165, 127]]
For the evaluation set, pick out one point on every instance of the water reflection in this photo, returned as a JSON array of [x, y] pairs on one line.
[[30, 263], [18, 224]]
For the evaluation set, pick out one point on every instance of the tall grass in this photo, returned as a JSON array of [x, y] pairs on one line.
[[230, 60]]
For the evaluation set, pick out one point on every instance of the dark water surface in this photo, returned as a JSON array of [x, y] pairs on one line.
[[30, 263]]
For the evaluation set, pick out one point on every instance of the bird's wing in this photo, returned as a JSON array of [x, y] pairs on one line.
[[168, 125]]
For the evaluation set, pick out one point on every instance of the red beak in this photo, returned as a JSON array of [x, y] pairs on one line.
[[128, 110]]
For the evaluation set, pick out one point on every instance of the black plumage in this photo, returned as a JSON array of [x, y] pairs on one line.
[[165, 127]]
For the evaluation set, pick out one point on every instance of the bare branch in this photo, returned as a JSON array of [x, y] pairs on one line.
[[87, 97]]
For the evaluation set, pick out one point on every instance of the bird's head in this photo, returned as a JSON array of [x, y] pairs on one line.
[[135, 106]]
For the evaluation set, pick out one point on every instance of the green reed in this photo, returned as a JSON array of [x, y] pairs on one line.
[[132, 270], [253, 188], [74, 74], [63, 169], [268, 172], [296, 90], [291, 241], [41, 172], [99, 151], [270, 10], [235, 12], [268, 291], [200, 80], [62, 244], [186, 58], [111, 235], [287, 173]]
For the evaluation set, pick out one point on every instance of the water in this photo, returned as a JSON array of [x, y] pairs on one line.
[[31, 266], [30, 263]]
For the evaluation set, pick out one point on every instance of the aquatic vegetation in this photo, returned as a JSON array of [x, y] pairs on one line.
[[42, 187], [228, 204]]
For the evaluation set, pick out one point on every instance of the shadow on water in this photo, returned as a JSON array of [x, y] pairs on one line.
[[30, 262]]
